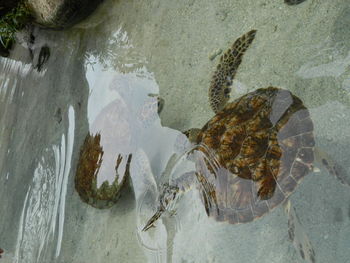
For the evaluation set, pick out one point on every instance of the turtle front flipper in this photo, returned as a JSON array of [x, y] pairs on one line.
[[332, 166], [298, 235], [167, 199], [219, 91], [169, 195]]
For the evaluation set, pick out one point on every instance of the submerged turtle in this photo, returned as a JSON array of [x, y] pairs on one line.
[[251, 155], [90, 167], [105, 156]]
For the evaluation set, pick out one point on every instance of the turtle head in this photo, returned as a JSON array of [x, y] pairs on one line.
[[167, 200]]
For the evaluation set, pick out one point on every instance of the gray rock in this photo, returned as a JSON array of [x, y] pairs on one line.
[[59, 14]]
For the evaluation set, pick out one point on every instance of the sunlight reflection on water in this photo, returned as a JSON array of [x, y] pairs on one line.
[[42, 218]]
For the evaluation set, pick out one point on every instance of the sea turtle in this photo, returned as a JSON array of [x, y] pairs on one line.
[[105, 156], [251, 155]]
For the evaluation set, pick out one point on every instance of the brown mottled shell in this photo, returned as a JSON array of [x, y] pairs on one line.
[[263, 143]]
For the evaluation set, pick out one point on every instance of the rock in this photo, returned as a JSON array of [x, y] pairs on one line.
[[215, 53], [60, 14]]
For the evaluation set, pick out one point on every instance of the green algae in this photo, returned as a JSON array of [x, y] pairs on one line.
[[12, 22]]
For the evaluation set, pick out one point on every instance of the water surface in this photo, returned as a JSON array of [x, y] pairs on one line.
[[127, 50]]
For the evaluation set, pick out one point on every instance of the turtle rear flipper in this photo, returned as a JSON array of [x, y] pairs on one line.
[[298, 235], [332, 166], [219, 91]]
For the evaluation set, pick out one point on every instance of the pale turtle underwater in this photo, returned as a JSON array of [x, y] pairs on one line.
[[251, 155], [104, 164]]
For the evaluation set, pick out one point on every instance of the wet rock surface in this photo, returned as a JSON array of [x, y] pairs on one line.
[[61, 14]]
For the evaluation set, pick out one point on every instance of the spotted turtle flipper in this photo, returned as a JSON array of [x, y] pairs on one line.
[[332, 166], [169, 194], [293, 2], [298, 235], [219, 91]]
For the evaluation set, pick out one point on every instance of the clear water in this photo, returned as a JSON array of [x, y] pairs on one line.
[[128, 49]]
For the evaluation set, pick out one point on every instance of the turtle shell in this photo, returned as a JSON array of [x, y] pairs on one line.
[[262, 144]]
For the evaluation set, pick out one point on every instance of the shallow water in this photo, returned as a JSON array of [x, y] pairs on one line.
[[127, 50]]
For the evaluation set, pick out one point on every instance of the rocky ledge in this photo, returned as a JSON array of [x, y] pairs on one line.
[[60, 14], [56, 14]]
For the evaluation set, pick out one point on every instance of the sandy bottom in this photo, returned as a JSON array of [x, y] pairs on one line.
[[167, 47]]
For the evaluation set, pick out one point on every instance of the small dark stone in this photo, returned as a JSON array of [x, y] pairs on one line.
[[302, 253], [31, 38], [291, 234], [44, 56], [312, 256], [58, 115], [324, 161], [293, 2]]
